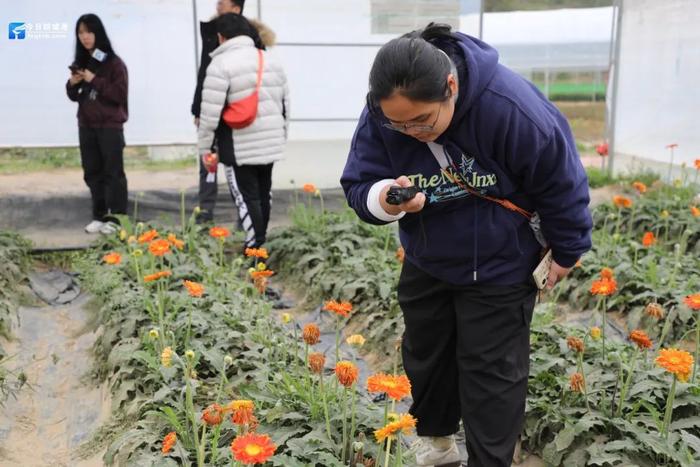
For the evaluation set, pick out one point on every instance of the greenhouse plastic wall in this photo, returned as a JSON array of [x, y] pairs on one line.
[[155, 39], [658, 93], [326, 46]]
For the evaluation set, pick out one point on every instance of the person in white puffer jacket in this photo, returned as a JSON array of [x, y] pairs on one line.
[[249, 154]]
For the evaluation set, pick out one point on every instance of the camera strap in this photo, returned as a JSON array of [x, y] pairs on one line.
[[444, 160]]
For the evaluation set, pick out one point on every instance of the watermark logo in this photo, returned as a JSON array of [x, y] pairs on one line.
[[17, 30]]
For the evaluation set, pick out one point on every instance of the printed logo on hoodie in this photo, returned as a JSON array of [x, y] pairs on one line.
[[445, 186]]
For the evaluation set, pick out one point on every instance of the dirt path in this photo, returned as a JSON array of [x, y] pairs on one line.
[[55, 411]]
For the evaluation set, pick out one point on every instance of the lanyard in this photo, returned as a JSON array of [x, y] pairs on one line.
[[444, 160]]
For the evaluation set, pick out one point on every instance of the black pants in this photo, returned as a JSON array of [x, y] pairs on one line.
[[466, 351], [223, 146], [250, 189], [102, 157]]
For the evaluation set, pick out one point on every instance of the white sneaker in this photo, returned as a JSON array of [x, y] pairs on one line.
[[94, 227], [437, 451], [108, 228]]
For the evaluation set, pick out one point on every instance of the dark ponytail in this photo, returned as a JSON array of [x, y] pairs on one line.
[[413, 66]]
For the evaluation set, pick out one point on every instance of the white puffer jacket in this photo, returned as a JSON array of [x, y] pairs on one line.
[[231, 76]]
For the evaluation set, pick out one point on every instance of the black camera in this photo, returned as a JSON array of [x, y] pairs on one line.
[[397, 195]]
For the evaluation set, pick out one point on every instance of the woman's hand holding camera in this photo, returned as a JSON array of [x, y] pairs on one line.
[[414, 204]]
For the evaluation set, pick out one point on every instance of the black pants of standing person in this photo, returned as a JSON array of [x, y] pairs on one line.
[[250, 189], [466, 350], [102, 157], [208, 191]]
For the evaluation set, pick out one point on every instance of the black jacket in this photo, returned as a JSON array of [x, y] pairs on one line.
[[210, 41]]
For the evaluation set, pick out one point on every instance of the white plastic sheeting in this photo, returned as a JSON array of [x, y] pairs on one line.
[[658, 97]]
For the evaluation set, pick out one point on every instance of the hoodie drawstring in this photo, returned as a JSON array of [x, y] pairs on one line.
[[476, 238]]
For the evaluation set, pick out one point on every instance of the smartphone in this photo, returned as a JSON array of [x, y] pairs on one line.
[[541, 272]]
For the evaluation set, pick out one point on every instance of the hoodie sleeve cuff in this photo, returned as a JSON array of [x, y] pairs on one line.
[[564, 260], [373, 205]]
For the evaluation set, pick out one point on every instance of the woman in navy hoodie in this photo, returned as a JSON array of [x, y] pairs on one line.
[[486, 150]]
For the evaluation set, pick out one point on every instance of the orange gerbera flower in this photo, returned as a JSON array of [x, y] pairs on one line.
[[168, 442], [648, 239], [607, 273], [346, 372], [112, 258], [678, 362], [640, 187], [694, 211], [317, 361], [252, 448], [157, 275], [641, 339], [693, 301], [339, 308], [309, 188], [159, 247], [241, 411], [604, 287], [256, 253], [622, 201], [195, 289], [575, 344], [400, 254], [311, 334], [213, 415], [576, 382], [219, 232], [697, 164], [405, 424], [257, 274], [176, 242], [654, 310], [396, 387], [146, 237]]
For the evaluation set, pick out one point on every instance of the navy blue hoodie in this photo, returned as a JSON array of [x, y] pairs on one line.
[[508, 141]]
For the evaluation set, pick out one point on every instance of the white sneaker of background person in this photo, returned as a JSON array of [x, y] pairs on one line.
[[108, 228], [94, 227], [437, 451]]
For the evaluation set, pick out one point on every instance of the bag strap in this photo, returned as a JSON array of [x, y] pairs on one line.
[[261, 65], [445, 161]]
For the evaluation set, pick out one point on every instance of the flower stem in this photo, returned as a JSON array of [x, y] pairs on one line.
[[669, 408], [583, 375], [605, 315], [399, 451], [337, 340], [344, 404], [388, 450], [351, 440], [628, 381], [697, 347], [325, 406], [189, 327], [190, 409]]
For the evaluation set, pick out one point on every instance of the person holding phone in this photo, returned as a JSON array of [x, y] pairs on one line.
[[99, 84], [462, 152]]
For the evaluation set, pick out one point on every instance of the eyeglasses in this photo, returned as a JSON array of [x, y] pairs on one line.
[[405, 127]]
